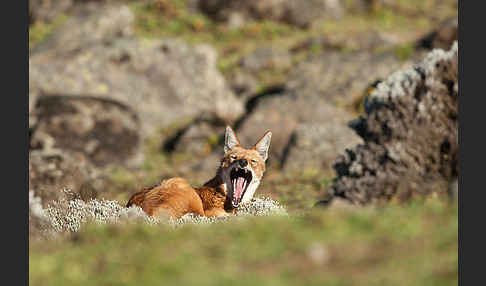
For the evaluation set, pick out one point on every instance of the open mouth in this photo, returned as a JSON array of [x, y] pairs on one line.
[[240, 180]]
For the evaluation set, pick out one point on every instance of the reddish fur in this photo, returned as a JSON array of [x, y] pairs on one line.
[[175, 197]]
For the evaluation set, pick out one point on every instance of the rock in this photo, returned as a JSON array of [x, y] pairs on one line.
[[243, 84], [442, 37], [52, 170], [297, 120], [105, 131], [454, 189], [266, 58], [293, 12], [198, 138], [317, 145], [309, 127], [410, 135], [339, 77], [271, 113], [361, 41], [47, 10], [38, 220], [164, 81], [89, 25]]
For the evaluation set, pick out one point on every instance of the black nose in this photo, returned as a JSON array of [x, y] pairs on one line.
[[243, 162]]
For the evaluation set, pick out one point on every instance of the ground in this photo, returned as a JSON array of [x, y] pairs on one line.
[[412, 244]]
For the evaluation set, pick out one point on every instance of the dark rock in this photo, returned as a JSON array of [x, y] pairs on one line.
[[411, 138], [105, 131], [442, 37]]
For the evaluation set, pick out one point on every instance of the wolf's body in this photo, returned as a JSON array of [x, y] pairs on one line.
[[236, 181]]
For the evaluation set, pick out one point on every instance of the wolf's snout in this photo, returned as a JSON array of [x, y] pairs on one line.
[[243, 163]]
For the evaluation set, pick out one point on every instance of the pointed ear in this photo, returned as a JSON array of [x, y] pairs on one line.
[[263, 144], [230, 140]]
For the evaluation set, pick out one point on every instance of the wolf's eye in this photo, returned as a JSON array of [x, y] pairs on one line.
[[253, 161], [233, 157]]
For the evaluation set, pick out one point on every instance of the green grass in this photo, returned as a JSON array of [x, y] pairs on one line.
[[413, 244]]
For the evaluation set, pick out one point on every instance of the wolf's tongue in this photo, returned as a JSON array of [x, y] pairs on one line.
[[239, 187]]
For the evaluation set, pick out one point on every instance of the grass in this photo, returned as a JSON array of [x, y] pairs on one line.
[[413, 244]]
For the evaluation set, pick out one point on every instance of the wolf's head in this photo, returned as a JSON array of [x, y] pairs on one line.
[[242, 169]]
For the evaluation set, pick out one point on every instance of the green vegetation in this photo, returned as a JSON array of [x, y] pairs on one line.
[[40, 30], [413, 244]]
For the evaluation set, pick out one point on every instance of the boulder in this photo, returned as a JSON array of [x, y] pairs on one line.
[[266, 58], [410, 135], [88, 24], [243, 84], [308, 116], [341, 76], [164, 81], [303, 130], [105, 131], [52, 170]]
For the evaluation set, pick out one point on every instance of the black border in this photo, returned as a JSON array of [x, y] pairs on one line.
[[16, 138], [471, 111], [15, 126]]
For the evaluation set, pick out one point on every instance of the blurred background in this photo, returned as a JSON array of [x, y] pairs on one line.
[[123, 94]]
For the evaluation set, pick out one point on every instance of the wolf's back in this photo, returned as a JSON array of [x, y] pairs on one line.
[[137, 198]]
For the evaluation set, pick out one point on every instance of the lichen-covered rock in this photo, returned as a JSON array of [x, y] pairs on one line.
[[410, 133], [164, 81], [105, 131]]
